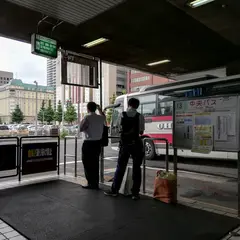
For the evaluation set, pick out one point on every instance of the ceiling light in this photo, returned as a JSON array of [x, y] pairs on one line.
[[95, 42], [159, 62], [198, 3]]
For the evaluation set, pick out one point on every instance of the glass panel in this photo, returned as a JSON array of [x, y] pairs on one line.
[[164, 108], [148, 109]]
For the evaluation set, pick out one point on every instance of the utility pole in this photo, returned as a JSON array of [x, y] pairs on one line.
[[36, 107]]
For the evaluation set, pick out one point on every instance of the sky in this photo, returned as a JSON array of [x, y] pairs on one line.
[[16, 57]]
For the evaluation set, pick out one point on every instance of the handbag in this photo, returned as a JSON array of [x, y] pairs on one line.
[[105, 136]]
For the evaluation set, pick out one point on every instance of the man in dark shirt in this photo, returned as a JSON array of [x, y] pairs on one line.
[[132, 126]]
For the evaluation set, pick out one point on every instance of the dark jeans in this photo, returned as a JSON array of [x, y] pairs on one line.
[[90, 157], [126, 150]]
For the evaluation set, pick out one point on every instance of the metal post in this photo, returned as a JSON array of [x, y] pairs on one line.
[[76, 156], [101, 104], [102, 165], [20, 161], [65, 157], [238, 184], [144, 167], [36, 108], [175, 161], [167, 156], [58, 159]]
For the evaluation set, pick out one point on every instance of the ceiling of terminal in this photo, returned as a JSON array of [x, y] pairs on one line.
[[139, 32]]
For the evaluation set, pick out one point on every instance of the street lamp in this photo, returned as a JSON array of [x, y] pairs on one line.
[[36, 107]]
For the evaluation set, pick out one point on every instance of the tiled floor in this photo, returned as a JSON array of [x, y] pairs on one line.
[[6, 232]]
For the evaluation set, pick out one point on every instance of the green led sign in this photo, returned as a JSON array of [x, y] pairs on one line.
[[44, 46]]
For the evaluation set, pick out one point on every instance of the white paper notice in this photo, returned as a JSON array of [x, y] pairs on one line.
[[231, 125], [221, 128]]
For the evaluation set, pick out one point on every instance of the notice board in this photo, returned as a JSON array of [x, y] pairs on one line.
[[39, 157], [221, 113]]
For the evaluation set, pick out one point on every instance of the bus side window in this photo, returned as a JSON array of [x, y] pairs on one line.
[[165, 108], [148, 109]]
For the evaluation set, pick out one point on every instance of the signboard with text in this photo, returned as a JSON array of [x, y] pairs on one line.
[[44, 46], [221, 113], [87, 75], [39, 157], [8, 157]]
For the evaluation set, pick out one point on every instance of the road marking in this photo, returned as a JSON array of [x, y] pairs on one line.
[[182, 174], [110, 158]]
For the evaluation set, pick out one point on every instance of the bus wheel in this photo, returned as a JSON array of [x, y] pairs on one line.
[[149, 150]]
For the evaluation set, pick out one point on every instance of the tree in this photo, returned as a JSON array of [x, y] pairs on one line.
[[49, 113], [0, 121], [70, 115], [59, 113], [110, 110], [124, 91], [17, 115], [41, 113]]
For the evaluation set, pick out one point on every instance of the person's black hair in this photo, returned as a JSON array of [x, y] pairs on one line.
[[134, 103], [92, 106]]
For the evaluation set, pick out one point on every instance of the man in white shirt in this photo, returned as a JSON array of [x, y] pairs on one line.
[[92, 125], [132, 127]]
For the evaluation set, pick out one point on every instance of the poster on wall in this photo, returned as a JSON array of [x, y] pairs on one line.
[[8, 157], [39, 157], [202, 139]]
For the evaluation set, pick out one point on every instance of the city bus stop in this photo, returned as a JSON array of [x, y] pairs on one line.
[[59, 208]]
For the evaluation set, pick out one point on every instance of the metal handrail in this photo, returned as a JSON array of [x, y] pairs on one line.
[[68, 155], [144, 158]]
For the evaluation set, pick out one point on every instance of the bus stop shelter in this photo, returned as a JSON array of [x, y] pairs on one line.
[[136, 34]]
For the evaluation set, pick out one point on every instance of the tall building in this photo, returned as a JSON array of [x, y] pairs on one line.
[[52, 71], [16, 92], [137, 79], [5, 77], [121, 84]]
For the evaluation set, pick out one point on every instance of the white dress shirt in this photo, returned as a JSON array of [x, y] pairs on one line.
[[92, 126]]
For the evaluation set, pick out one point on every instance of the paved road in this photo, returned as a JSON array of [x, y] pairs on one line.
[[215, 182]]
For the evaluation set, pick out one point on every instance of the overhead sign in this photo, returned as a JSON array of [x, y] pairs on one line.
[[86, 74], [44, 46], [8, 157], [196, 92], [39, 157]]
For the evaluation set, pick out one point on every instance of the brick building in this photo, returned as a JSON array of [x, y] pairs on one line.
[[137, 79]]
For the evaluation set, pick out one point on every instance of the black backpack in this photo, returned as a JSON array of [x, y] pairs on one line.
[[130, 128]]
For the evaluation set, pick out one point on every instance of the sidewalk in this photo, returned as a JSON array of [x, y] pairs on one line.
[[63, 210]]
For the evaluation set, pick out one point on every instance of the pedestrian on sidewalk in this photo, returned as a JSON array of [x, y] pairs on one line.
[[92, 125], [132, 127]]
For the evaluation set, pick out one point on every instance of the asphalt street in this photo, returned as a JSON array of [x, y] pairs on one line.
[[212, 182]]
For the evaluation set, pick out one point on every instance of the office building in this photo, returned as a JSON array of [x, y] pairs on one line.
[[5, 77], [16, 92], [136, 80], [121, 81]]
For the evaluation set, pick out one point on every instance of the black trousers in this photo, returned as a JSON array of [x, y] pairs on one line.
[[127, 150], [90, 157]]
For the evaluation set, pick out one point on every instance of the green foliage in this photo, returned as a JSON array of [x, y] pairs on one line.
[[49, 113], [17, 115], [41, 113], [63, 133], [0, 121], [59, 113], [70, 115], [110, 111], [124, 91]]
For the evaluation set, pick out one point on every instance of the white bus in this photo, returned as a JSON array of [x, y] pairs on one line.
[[157, 110]]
